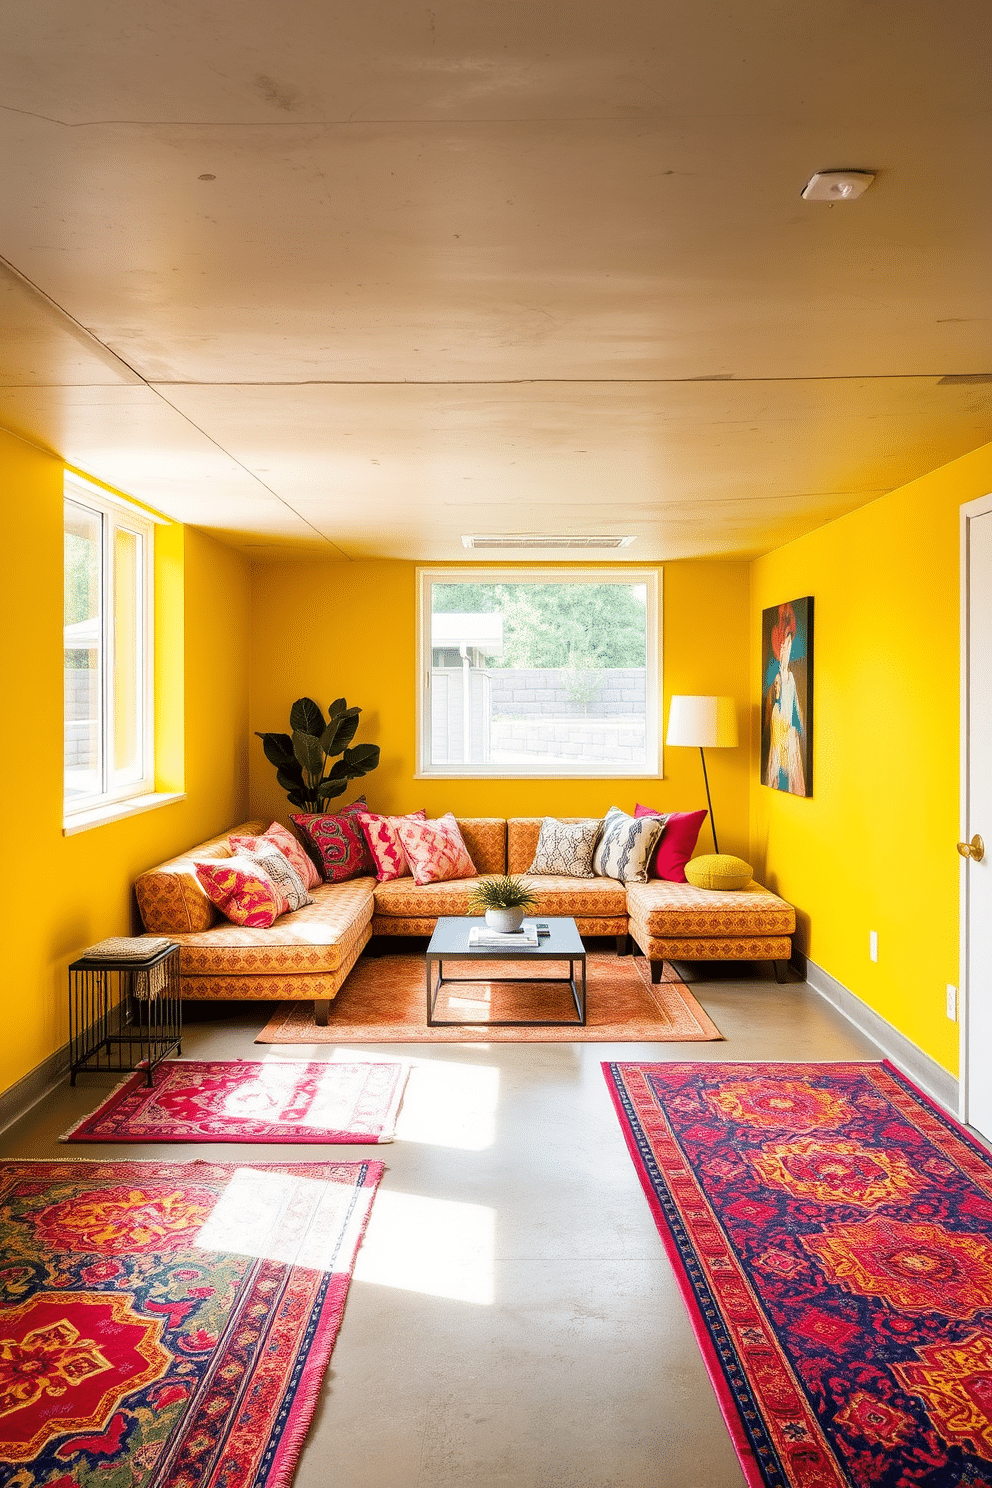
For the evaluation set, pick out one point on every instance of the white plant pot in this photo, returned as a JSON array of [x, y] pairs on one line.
[[506, 920]]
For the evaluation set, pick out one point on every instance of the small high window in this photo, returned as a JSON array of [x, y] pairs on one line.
[[543, 672], [108, 650]]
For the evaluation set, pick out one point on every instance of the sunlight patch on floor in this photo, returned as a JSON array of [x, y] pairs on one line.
[[433, 1246]]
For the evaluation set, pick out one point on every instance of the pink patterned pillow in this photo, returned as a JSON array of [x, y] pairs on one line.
[[242, 891], [385, 845], [338, 842], [435, 849], [287, 845]]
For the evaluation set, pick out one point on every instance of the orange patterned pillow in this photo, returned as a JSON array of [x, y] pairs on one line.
[[288, 845], [242, 892], [434, 849]]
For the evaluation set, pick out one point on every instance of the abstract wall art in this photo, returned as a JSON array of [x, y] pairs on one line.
[[787, 697]]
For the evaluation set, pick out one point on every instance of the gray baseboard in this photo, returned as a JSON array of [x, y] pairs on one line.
[[924, 1071], [30, 1088]]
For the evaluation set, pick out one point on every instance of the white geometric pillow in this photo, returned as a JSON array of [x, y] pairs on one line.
[[566, 848], [625, 847], [282, 873]]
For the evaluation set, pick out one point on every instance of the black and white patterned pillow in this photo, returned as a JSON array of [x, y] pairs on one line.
[[566, 848], [282, 873], [626, 845]]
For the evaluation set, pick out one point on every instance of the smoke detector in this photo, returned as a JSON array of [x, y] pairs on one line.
[[532, 540], [837, 185]]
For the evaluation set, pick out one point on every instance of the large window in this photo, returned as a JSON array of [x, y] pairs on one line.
[[108, 650], [547, 672]]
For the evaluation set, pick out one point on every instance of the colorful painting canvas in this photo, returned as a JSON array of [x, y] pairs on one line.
[[787, 697]]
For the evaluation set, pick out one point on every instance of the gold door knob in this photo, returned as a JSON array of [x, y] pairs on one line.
[[975, 849]]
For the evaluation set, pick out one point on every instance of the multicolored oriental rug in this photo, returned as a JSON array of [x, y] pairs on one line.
[[243, 1100], [831, 1231], [169, 1323]]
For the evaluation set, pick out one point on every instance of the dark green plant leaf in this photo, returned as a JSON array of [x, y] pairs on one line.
[[299, 800], [340, 732], [361, 760], [291, 779], [330, 788], [337, 708], [306, 718], [278, 748], [309, 753]]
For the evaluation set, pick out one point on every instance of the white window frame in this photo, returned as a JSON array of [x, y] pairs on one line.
[[117, 513], [649, 577]]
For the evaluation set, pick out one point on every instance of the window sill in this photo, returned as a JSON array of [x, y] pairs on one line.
[[119, 811]]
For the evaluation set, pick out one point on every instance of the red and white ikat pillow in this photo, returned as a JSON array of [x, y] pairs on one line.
[[384, 843], [434, 849]]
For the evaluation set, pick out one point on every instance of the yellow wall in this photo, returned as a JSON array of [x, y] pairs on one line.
[[64, 893], [874, 848], [348, 629]]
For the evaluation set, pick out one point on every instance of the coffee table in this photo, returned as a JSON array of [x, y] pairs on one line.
[[450, 943]]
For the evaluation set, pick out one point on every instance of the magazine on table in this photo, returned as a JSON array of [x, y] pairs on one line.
[[529, 935]]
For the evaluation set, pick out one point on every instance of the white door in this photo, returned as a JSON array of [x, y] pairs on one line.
[[976, 815]]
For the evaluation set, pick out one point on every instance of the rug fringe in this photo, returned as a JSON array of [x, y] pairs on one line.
[[121, 1085]]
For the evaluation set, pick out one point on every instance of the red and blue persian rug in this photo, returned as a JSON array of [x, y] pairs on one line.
[[831, 1231], [169, 1323], [244, 1100]]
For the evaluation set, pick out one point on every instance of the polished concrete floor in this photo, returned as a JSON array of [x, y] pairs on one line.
[[513, 1322]]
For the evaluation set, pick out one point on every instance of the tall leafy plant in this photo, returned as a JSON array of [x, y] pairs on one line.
[[303, 759]]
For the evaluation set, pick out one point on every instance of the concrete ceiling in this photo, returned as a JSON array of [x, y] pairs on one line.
[[323, 278]]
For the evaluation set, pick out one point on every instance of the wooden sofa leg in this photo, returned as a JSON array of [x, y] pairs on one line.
[[781, 971], [321, 1011], [657, 971], [623, 945]]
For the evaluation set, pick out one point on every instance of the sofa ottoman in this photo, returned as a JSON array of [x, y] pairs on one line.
[[678, 922]]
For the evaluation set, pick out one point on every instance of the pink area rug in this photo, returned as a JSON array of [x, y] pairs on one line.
[[241, 1100]]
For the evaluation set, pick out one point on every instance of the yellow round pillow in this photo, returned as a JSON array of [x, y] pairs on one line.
[[718, 871]]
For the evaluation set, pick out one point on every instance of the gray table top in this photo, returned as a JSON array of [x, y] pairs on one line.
[[450, 939]]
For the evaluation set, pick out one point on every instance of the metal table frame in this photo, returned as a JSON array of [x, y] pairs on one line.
[[563, 944], [106, 1018]]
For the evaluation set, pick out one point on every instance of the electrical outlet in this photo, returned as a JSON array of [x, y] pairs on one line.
[[873, 944], [952, 1003]]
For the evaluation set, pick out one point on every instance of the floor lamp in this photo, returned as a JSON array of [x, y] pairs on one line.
[[703, 723]]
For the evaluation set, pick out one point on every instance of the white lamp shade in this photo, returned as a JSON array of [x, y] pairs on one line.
[[703, 722]]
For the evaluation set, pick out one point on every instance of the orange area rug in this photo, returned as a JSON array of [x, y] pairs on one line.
[[384, 1001]]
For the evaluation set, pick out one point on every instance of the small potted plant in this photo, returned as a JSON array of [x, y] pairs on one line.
[[503, 899]]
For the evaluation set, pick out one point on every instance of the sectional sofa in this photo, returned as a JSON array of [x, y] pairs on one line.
[[308, 954]]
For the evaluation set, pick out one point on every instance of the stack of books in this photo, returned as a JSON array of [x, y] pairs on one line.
[[481, 935]]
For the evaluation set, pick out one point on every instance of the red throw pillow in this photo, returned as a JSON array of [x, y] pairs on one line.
[[287, 845], [384, 843], [242, 891], [678, 842], [337, 842], [435, 849]]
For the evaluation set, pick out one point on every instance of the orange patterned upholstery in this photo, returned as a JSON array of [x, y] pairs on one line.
[[522, 833], [293, 986], [171, 898], [401, 896], [309, 953], [680, 911], [485, 838], [759, 948], [399, 925], [317, 938]]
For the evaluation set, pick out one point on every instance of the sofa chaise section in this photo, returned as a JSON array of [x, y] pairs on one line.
[[308, 953], [677, 922]]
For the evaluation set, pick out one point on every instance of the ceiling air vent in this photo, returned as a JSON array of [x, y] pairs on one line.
[[505, 540]]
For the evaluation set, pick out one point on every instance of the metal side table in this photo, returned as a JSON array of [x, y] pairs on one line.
[[116, 1020]]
